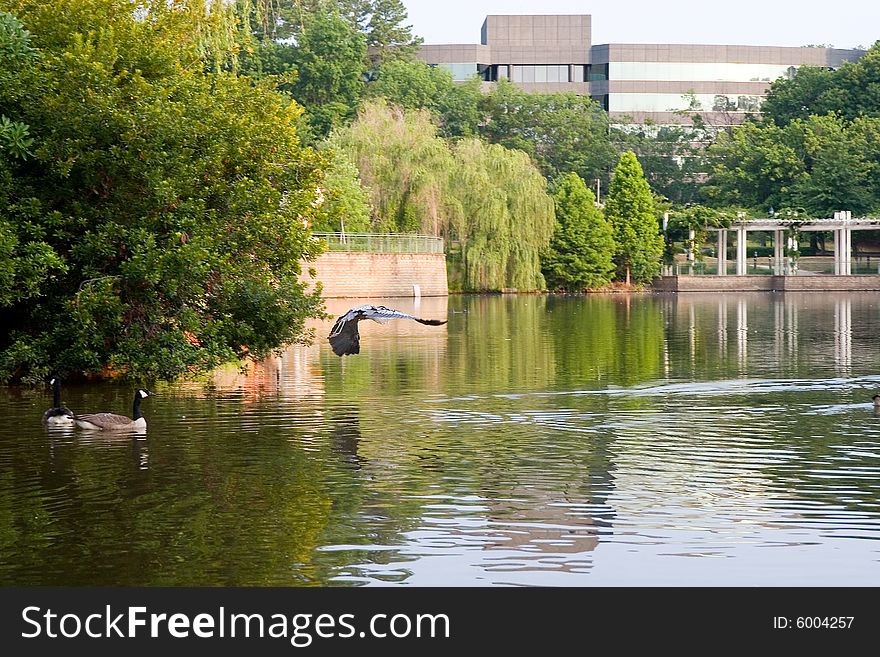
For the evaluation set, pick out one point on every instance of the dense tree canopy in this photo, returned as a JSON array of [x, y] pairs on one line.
[[159, 224], [563, 132]]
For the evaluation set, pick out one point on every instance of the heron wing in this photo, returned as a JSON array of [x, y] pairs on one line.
[[344, 338]]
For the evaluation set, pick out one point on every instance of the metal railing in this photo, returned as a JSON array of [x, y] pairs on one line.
[[764, 265], [381, 242]]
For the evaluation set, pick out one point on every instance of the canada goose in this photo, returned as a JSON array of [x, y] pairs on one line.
[[876, 399], [58, 415], [113, 422], [344, 337]]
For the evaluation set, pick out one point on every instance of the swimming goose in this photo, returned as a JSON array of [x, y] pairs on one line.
[[344, 337], [113, 422], [876, 399], [58, 415]]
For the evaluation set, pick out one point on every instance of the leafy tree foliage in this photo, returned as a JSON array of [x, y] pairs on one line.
[[629, 207], [502, 216], [415, 85], [579, 255], [821, 163], [563, 132], [490, 200], [344, 204], [404, 164], [388, 37], [328, 59], [159, 226], [851, 91]]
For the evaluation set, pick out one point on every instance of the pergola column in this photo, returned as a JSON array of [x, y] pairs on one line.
[[843, 245], [838, 259], [778, 251], [741, 251], [722, 252]]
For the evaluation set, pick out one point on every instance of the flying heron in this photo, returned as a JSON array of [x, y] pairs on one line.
[[344, 337]]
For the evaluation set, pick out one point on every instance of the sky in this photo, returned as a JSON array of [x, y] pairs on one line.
[[840, 23]]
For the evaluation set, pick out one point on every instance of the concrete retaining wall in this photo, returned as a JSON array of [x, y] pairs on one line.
[[765, 283], [345, 274]]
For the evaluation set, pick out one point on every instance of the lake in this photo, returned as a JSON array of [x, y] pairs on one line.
[[613, 440]]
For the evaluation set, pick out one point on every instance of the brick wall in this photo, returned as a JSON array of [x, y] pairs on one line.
[[765, 283], [379, 274]]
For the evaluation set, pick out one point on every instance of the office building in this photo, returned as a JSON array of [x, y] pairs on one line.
[[639, 82]]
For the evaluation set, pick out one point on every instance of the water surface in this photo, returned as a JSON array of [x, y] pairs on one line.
[[718, 440]]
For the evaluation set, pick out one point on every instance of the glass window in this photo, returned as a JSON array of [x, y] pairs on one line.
[[623, 102], [598, 72], [461, 71], [696, 71]]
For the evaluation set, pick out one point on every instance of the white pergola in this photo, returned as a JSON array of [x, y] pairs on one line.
[[841, 225]]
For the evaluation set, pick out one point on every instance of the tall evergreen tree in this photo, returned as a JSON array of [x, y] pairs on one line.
[[580, 253], [387, 36], [629, 207]]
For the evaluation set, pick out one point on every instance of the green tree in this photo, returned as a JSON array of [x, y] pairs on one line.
[[415, 85], [488, 200], [329, 63], [805, 93], [344, 204], [756, 167], [163, 208], [387, 36], [629, 207], [501, 214], [403, 163], [411, 85], [581, 250], [673, 157], [840, 175], [563, 132]]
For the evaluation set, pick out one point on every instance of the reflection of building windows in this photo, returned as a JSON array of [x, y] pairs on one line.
[[748, 103], [723, 104], [539, 73], [671, 102]]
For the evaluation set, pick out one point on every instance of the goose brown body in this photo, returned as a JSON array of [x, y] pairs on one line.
[[114, 422]]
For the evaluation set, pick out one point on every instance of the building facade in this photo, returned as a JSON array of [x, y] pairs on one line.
[[659, 83]]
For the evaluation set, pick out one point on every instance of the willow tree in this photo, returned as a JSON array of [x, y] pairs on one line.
[[403, 163], [490, 200], [503, 218], [629, 207]]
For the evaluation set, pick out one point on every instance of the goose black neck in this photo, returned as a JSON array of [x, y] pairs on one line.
[[56, 393], [136, 411]]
